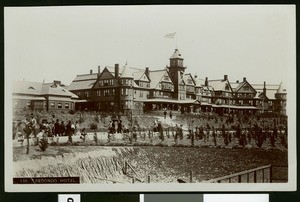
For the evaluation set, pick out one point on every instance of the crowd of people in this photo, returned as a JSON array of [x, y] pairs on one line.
[[31, 128], [196, 128]]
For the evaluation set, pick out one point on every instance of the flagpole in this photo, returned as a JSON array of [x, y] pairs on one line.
[[176, 39]]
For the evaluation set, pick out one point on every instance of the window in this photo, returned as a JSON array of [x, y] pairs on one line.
[[28, 103], [106, 92], [126, 82], [113, 92], [67, 105], [125, 91], [52, 104], [59, 105]]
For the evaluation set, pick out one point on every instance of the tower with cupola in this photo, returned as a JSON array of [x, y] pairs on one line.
[[176, 70]]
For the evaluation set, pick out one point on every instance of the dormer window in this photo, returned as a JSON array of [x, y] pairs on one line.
[[31, 88]]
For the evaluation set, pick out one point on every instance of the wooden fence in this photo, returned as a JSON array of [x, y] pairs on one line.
[[264, 174]]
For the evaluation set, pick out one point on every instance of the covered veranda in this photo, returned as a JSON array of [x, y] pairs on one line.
[[234, 109], [170, 104]]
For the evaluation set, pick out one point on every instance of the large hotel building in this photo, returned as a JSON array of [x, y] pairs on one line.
[[126, 89]]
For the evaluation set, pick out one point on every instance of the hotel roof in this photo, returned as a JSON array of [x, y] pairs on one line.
[[40, 89]]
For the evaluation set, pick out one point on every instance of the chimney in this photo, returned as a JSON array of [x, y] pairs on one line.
[[91, 71], [117, 70], [55, 82], [264, 89], [225, 77], [147, 72], [99, 71], [237, 81], [244, 79], [206, 81]]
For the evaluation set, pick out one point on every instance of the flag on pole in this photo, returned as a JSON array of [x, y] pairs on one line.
[[170, 35]]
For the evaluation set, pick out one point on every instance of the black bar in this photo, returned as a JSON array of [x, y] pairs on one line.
[[46, 180]]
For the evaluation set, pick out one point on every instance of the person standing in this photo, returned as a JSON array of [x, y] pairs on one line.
[[177, 131], [62, 128], [69, 131], [170, 114], [28, 130], [120, 126], [34, 125], [56, 128]]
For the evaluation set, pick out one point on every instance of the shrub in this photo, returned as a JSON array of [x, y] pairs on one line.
[[93, 126]]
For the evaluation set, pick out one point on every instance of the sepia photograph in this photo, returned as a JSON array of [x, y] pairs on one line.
[[150, 98]]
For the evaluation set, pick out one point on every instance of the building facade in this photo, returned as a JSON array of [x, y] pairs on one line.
[[127, 88], [42, 96]]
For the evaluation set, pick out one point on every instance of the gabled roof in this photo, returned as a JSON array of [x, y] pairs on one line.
[[111, 70], [138, 75], [186, 77], [156, 77], [238, 86], [219, 85], [199, 82], [235, 86], [141, 76]]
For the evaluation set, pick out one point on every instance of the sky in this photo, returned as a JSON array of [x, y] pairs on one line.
[[58, 43]]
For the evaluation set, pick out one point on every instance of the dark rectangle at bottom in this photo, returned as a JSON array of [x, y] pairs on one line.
[[46, 180]]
